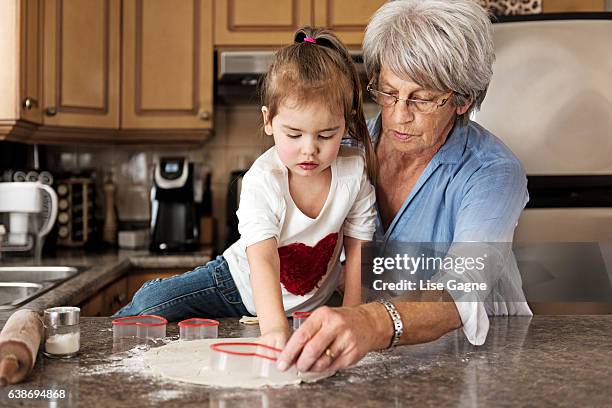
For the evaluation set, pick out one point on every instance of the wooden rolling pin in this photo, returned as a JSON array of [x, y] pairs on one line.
[[19, 342]]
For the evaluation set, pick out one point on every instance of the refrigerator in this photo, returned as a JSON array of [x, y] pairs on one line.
[[550, 102]]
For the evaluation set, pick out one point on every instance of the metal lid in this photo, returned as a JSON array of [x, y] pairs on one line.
[[62, 316]]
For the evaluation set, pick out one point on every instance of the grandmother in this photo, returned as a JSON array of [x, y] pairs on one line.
[[441, 178]]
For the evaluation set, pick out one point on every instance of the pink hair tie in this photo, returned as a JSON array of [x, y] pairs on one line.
[[310, 40]]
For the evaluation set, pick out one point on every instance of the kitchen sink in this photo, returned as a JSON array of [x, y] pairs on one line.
[[37, 273], [21, 284], [13, 294]]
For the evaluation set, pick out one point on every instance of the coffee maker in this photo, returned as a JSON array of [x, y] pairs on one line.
[[28, 211], [174, 218]]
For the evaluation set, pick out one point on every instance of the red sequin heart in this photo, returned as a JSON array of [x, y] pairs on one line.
[[303, 266]]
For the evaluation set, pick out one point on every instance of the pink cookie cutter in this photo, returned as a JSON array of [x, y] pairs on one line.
[[197, 328], [299, 318], [141, 327], [236, 357]]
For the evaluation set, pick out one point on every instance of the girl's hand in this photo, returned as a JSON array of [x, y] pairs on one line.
[[276, 337]]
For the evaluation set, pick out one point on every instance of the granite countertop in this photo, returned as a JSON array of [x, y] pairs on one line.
[[540, 361], [101, 269]]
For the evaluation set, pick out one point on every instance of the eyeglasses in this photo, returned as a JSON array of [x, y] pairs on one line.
[[386, 100]]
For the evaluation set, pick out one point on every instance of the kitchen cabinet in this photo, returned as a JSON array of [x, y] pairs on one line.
[[81, 63], [78, 86], [259, 22], [20, 71], [31, 61], [107, 301], [263, 23], [137, 277], [93, 307], [115, 296], [167, 65], [348, 18]]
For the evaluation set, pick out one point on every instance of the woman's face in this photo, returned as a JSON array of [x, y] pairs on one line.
[[410, 131]]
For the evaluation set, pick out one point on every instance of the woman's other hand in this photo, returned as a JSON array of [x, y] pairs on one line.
[[334, 338]]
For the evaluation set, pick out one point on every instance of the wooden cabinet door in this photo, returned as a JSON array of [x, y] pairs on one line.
[[31, 61], [167, 64], [260, 22], [94, 306], [81, 68], [137, 277], [348, 18], [115, 296], [20, 66]]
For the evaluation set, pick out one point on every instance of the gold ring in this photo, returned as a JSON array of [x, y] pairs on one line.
[[330, 354]]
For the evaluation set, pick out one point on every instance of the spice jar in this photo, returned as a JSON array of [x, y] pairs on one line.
[[62, 332]]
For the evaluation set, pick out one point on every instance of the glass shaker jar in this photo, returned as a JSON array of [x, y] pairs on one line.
[[62, 332]]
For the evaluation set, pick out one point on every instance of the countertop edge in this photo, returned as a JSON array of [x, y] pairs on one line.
[[102, 270]]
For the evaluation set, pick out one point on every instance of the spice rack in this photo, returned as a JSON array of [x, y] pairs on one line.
[[75, 216]]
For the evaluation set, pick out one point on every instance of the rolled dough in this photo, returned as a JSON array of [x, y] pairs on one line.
[[188, 361]]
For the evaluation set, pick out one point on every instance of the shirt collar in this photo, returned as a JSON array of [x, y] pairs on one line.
[[451, 151]]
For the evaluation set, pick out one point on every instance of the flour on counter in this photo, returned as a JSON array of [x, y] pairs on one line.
[[129, 362]]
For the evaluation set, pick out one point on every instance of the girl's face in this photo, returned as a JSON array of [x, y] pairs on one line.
[[307, 138]]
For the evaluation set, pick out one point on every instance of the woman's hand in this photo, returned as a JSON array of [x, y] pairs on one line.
[[276, 337], [331, 339]]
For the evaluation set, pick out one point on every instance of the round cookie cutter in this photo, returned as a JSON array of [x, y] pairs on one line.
[[142, 327], [299, 318], [237, 357], [197, 328]]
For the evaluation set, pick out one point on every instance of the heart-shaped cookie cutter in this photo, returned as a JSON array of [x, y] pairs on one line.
[[198, 328], [299, 318], [237, 357], [141, 327]]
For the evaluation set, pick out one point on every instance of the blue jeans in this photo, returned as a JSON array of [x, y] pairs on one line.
[[207, 291]]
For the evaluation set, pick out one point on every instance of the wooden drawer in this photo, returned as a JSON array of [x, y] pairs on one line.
[[137, 277]]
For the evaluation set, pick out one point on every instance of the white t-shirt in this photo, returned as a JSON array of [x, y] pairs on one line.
[[309, 249]]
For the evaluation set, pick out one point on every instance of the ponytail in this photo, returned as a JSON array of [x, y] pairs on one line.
[[319, 63]]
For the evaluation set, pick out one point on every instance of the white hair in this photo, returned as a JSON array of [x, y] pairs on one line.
[[445, 45]]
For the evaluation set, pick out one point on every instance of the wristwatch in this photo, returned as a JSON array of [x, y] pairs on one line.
[[398, 326]]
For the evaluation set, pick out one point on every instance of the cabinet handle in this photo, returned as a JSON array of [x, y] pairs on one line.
[[51, 111], [204, 114], [29, 103]]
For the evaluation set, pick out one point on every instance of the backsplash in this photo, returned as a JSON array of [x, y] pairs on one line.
[[237, 141]]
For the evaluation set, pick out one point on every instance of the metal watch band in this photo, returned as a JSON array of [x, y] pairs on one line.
[[398, 326]]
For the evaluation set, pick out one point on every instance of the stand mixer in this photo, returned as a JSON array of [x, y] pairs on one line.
[[27, 214]]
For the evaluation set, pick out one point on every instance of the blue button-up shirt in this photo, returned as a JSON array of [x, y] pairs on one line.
[[473, 189]]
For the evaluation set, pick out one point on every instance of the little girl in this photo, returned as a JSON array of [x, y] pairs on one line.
[[301, 202]]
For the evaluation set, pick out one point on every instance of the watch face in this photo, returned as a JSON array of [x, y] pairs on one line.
[[171, 167]]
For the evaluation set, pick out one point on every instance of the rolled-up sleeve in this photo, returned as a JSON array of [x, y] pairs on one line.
[[261, 209], [360, 222], [494, 198]]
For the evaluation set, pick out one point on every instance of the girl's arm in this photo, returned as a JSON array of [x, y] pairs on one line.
[[352, 271], [264, 265]]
